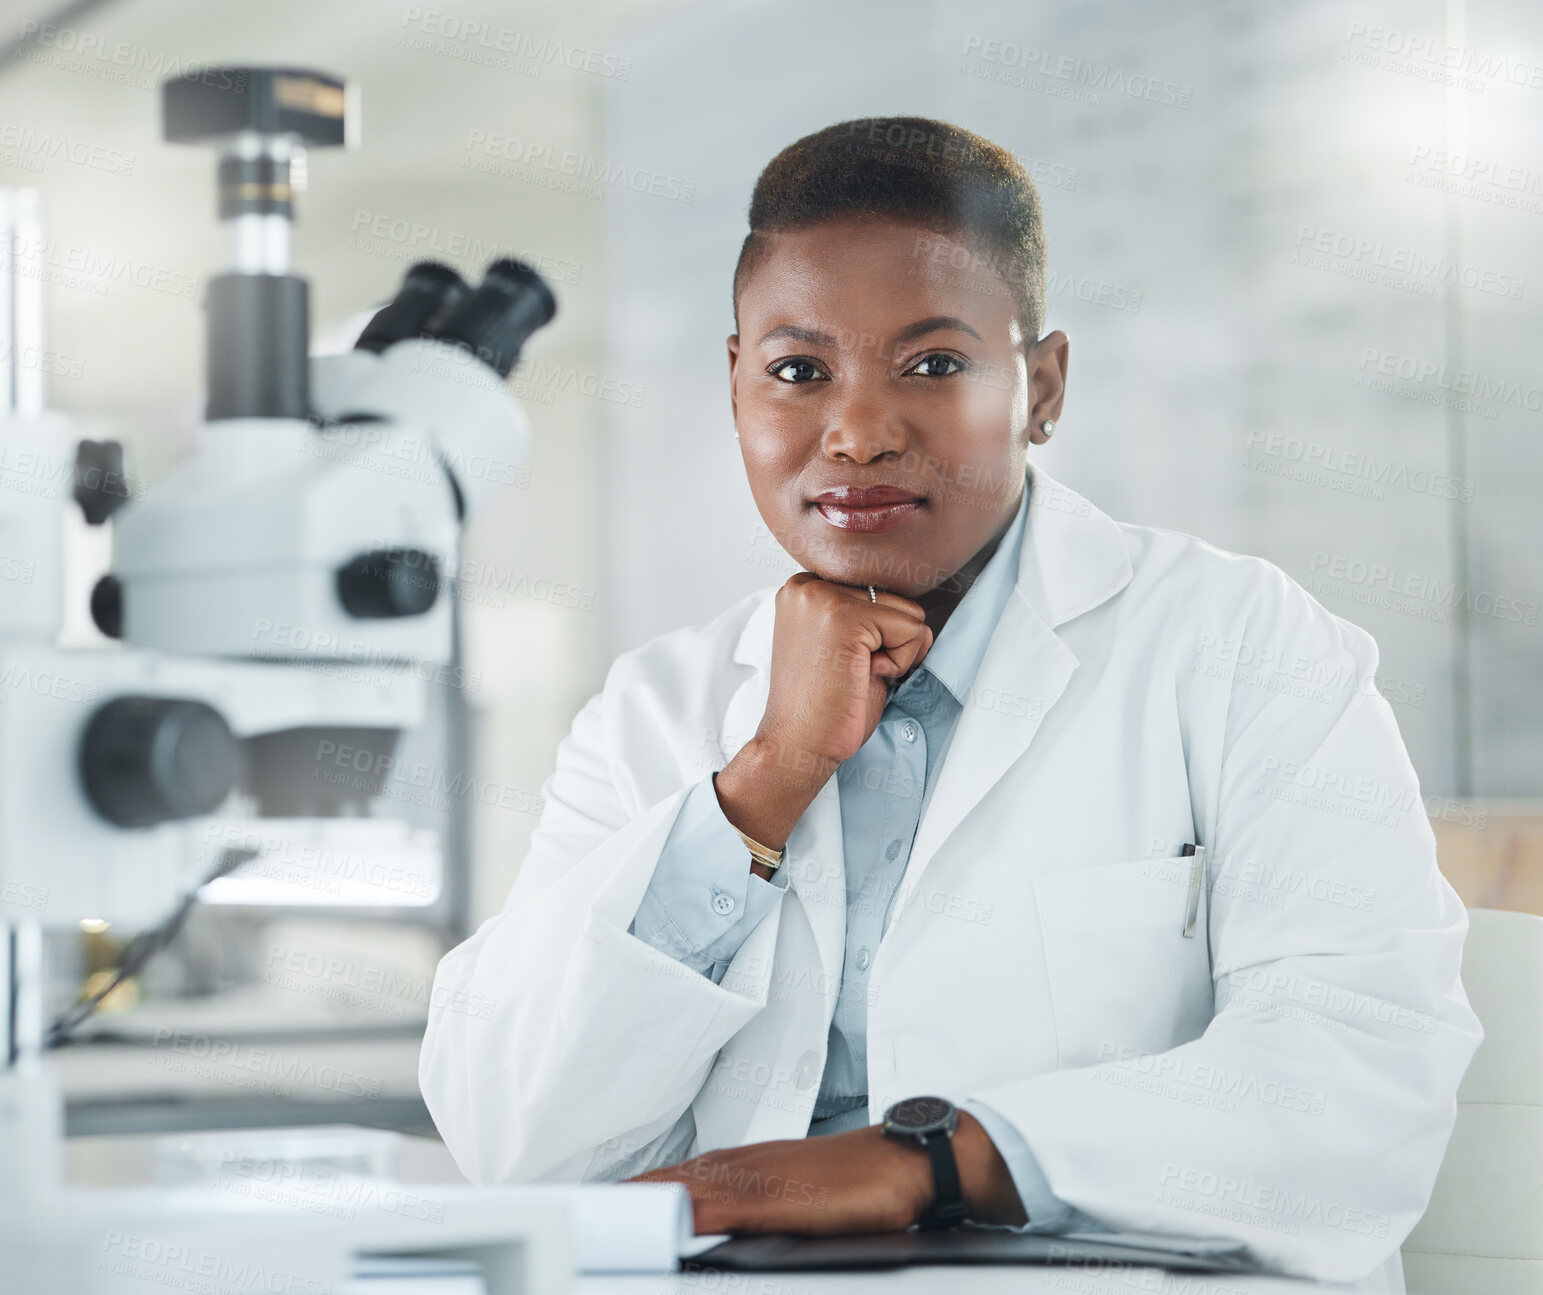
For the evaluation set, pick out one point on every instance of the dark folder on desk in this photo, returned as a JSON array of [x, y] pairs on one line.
[[774, 1251]]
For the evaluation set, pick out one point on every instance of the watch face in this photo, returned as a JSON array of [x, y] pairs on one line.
[[920, 1115]]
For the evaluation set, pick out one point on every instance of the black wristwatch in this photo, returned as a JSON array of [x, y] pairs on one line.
[[929, 1123]]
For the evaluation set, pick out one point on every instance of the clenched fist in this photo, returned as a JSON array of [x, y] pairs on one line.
[[834, 654]]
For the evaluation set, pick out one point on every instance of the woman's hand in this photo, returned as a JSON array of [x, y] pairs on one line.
[[858, 1181], [833, 652], [844, 1182]]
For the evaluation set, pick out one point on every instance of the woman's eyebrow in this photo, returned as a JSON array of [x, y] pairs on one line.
[[818, 337], [933, 324], [812, 336]]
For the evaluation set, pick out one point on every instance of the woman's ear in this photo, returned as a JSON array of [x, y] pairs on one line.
[[1047, 360], [733, 341]]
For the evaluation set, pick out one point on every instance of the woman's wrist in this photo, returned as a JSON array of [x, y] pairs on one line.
[[984, 1177], [759, 796]]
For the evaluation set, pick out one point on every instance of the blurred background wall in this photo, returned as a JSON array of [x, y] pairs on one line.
[[1302, 278]]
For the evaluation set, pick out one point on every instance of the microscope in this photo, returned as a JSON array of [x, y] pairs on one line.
[[280, 590]]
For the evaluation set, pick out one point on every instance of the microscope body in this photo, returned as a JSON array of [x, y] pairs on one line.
[[289, 584], [292, 575], [287, 539], [286, 588]]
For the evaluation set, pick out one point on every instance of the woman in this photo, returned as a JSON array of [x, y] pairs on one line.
[[993, 816]]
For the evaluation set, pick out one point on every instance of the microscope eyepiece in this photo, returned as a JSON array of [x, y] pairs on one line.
[[495, 320], [429, 292]]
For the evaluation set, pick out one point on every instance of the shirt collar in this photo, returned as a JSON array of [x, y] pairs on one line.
[[955, 656]]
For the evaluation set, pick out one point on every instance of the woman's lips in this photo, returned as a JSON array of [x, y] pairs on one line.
[[877, 517]]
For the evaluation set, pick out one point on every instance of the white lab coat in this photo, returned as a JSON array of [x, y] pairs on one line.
[[1286, 1076]]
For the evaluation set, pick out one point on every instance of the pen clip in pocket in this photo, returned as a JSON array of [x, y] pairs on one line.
[[1196, 855]]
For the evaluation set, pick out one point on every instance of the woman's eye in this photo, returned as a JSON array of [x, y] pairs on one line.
[[807, 367], [938, 357]]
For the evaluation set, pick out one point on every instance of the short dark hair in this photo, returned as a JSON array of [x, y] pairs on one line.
[[933, 173]]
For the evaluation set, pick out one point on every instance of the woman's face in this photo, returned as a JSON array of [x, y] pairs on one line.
[[879, 353]]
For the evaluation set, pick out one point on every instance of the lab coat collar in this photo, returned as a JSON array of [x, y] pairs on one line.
[[954, 659], [1072, 557]]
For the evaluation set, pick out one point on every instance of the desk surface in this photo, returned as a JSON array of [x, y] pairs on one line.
[[130, 1160], [980, 1279]]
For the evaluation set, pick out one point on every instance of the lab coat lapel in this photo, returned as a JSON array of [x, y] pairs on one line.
[[1073, 558], [1024, 672]]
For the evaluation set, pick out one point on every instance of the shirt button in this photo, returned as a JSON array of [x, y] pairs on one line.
[[723, 904], [863, 959], [908, 730], [892, 849]]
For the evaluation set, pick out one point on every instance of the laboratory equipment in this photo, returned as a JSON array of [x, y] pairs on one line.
[[280, 590]]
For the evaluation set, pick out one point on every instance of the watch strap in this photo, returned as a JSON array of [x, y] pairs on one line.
[[948, 1208]]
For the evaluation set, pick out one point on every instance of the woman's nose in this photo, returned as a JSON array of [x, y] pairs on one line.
[[863, 425]]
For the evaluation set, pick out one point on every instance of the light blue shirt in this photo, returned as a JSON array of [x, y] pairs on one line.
[[703, 900]]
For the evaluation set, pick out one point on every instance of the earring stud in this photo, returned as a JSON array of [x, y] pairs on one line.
[[1048, 427]]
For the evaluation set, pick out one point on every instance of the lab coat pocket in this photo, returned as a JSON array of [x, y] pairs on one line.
[[1123, 976]]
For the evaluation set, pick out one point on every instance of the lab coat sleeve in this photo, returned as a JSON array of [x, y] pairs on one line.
[[703, 868], [1340, 1023], [559, 1047], [1045, 1212]]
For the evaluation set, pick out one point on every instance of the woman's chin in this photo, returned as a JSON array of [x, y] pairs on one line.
[[859, 577]]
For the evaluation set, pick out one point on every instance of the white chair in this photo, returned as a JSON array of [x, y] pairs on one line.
[[1483, 1231]]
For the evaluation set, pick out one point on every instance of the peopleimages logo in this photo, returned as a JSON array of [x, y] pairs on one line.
[[1374, 260], [1485, 179], [1463, 382], [535, 161], [1204, 1191], [1088, 79], [1352, 467], [504, 48], [153, 1261], [42, 146], [89, 269], [1380, 585], [1432, 59], [407, 239], [120, 62]]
